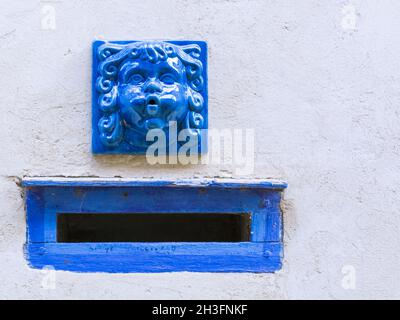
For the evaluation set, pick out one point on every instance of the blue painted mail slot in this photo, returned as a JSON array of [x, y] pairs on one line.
[[145, 90], [117, 225]]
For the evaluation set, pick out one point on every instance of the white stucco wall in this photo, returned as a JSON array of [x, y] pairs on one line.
[[319, 84]]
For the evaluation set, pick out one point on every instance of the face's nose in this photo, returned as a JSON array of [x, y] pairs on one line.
[[152, 86]]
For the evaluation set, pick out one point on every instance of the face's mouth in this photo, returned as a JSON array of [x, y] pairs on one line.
[[152, 111], [152, 99]]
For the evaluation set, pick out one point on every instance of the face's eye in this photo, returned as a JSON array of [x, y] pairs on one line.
[[136, 79], [167, 78]]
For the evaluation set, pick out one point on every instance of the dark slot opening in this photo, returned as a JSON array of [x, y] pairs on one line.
[[153, 227]]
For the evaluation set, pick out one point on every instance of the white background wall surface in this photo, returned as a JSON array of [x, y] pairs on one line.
[[319, 82]]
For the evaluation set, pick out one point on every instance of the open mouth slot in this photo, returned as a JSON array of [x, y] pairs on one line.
[[153, 227]]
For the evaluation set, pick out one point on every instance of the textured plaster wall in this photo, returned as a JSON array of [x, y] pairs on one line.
[[322, 92]]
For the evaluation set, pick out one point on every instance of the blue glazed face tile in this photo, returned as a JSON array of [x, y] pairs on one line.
[[259, 249], [141, 87]]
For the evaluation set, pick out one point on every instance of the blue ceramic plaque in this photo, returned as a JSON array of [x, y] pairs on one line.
[[145, 88]]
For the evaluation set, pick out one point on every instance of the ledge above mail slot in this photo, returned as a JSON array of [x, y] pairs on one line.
[[120, 225]]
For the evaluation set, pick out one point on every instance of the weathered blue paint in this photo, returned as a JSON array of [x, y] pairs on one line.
[[261, 199], [144, 85], [110, 182], [156, 257]]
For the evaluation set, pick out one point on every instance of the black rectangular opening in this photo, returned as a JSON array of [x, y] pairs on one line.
[[153, 227]]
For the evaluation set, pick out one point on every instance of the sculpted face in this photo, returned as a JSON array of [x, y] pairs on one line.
[[151, 95], [147, 85]]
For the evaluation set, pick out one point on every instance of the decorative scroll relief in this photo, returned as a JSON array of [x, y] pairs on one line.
[[146, 85]]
